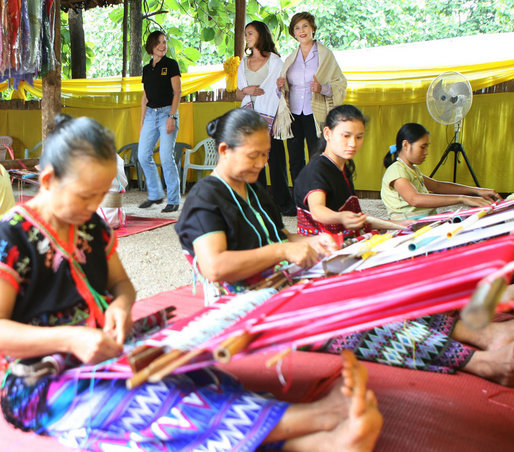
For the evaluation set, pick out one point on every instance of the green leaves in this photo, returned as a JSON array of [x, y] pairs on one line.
[[208, 34], [202, 31]]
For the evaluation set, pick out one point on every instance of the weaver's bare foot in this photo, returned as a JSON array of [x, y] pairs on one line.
[[496, 365], [359, 421], [336, 404], [494, 336], [359, 432], [502, 334]]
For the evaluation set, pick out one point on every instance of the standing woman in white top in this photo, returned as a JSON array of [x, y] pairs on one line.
[[312, 84], [256, 88]]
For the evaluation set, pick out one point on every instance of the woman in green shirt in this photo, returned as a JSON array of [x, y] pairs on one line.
[[408, 193]]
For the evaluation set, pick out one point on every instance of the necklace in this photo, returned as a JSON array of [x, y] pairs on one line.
[[258, 215], [342, 171], [398, 158]]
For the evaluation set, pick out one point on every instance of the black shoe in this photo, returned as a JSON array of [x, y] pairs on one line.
[[170, 208], [148, 203], [289, 212]]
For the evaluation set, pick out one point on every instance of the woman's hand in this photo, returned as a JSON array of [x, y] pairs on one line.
[[253, 90], [488, 194], [315, 85], [300, 253], [171, 125], [323, 244], [351, 220], [92, 346], [475, 201], [118, 321], [281, 81]]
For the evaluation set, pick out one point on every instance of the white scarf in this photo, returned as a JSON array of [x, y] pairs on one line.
[[266, 104]]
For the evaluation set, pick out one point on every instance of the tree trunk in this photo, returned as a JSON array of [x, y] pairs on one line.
[[239, 28], [136, 36], [51, 100], [125, 36], [78, 45]]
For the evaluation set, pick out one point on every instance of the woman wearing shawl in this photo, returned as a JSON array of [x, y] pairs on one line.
[[59, 268], [311, 83], [256, 79]]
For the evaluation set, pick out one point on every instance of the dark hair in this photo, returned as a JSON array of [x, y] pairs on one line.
[[265, 42], [341, 113], [412, 132], [76, 137], [152, 41], [298, 17], [233, 126]]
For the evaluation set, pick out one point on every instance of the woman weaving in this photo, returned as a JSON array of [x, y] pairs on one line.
[[229, 225], [59, 269]]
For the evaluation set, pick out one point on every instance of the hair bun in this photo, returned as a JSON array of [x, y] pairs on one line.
[[60, 119], [212, 127]]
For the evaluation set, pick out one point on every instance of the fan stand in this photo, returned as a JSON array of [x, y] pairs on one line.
[[456, 147]]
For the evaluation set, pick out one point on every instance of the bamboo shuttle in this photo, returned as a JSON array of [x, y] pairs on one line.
[[143, 375], [180, 361], [231, 346]]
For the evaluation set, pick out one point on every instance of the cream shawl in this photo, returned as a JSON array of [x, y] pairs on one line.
[[328, 73]]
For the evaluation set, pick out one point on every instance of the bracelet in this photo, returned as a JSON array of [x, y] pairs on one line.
[[172, 116]]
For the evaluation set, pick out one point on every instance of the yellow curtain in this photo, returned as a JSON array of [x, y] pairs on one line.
[[410, 86], [375, 87], [487, 135]]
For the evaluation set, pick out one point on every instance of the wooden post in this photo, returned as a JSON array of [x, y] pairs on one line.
[[51, 100], [239, 28], [136, 37], [77, 43], [125, 37]]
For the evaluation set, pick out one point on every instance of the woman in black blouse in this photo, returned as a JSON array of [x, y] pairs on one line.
[[159, 120], [229, 225]]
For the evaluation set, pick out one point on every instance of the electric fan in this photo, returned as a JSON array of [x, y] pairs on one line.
[[449, 98]]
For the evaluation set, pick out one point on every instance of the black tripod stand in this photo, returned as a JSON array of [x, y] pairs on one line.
[[457, 148]]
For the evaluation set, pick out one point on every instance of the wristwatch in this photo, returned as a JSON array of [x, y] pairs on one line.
[[175, 117]]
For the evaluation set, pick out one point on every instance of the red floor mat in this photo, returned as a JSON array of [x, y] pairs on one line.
[[135, 225], [423, 411]]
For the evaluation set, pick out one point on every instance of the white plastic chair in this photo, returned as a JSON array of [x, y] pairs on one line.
[[6, 146], [209, 163]]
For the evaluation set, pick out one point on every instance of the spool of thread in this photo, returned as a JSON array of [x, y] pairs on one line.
[[421, 243]]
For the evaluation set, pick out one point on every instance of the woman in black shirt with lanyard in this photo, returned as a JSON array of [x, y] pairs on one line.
[[159, 119]]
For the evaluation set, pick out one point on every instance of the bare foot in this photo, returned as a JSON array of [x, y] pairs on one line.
[[359, 422], [358, 432], [502, 334], [496, 365], [336, 404], [494, 336]]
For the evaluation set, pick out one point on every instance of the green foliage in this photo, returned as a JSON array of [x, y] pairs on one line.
[[353, 24], [202, 31]]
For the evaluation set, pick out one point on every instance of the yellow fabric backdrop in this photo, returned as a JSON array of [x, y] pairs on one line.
[[389, 97], [487, 135], [365, 87]]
